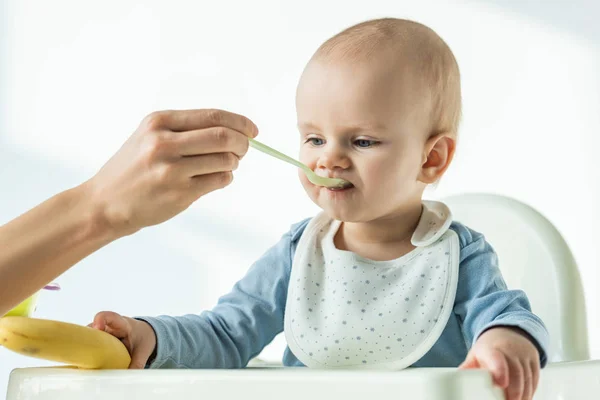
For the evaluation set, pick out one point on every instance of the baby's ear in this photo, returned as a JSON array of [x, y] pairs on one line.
[[437, 155]]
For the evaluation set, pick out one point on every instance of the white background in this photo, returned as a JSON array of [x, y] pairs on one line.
[[77, 77]]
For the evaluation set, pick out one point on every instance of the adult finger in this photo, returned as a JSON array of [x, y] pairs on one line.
[[210, 140], [208, 164], [187, 120], [210, 182]]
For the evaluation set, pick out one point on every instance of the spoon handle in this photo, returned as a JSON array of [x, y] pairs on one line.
[[274, 153]]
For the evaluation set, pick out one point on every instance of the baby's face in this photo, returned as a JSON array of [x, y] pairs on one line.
[[363, 124]]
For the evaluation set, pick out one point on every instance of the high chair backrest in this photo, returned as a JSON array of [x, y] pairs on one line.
[[534, 257]]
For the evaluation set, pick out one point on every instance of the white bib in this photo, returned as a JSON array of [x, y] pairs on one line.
[[347, 311]]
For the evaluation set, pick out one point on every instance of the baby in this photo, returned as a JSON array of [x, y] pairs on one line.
[[380, 278]]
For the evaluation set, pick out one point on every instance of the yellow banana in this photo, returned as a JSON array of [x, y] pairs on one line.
[[63, 342]]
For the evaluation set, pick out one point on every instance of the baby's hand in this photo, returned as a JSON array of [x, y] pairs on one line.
[[137, 336], [512, 359]]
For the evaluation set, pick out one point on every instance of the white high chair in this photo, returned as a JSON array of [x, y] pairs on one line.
[[533, 256]]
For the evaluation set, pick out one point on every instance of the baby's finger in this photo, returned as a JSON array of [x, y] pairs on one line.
[[495, 362], [137, 361], [527, 382], [98, 323], [112, 323], [142, 350], [535, 372], [516, 381], [140, 355], [470, 362]]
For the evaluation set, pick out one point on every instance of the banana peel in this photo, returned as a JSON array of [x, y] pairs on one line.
[[75, 345]]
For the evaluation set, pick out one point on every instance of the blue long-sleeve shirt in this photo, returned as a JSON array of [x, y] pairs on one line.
[[247, 319]]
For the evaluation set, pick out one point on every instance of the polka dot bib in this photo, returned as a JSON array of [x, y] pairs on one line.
[[347, 311]]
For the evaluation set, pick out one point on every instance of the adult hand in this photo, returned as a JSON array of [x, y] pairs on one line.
[[172, 159]]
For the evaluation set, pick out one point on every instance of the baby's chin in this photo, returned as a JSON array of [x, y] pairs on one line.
[[342, 213], [342, 216], [345, 211]]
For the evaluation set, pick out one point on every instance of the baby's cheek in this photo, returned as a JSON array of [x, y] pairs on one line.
[[381, 183], [309, 188], [303, 179]]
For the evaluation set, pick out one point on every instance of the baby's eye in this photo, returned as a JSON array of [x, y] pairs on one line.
[[315, 141], [364, 143]]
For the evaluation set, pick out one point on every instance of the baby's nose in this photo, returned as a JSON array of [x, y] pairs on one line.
[[333, 159]]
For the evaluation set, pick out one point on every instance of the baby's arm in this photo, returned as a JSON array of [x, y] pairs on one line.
[[483, 300], [237, 329], [498, 325]]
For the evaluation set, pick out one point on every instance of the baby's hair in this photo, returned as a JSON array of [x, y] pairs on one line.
[[429, 54]]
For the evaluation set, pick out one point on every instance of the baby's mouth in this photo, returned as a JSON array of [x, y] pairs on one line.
[[346, 186], [337, 183]]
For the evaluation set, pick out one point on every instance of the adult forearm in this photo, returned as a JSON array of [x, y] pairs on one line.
[[44, 242]]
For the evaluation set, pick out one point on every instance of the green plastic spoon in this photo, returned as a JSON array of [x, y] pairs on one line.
[[334, 183]]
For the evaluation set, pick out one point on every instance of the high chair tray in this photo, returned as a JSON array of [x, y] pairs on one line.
[[574, 380]]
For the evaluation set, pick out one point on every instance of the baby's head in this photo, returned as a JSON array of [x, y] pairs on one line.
[[378, 105]]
